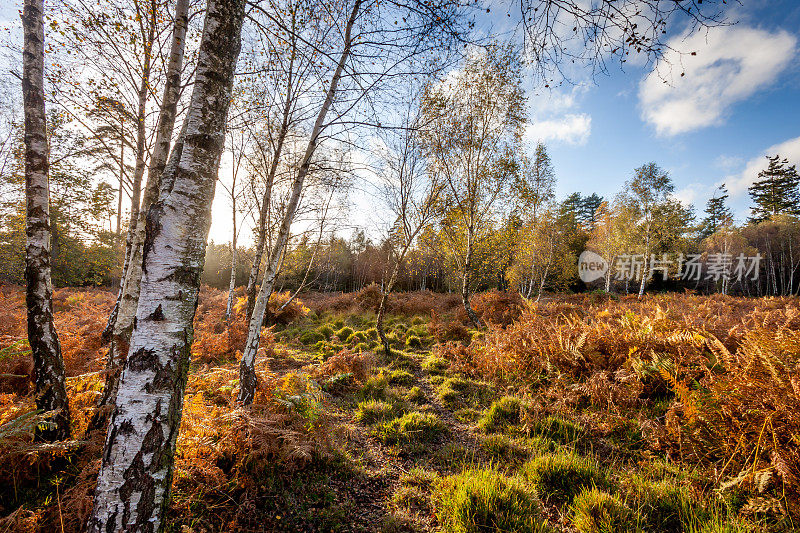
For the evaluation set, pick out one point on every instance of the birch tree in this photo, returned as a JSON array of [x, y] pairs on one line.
[[371, 48], [412, 196], [48, 365], [120, 324], [476, 119], [136, 471]]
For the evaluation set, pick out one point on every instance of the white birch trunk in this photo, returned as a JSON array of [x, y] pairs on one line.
[[136, 471], [247, 374], [232, 283], [120, 322], [48, 365]]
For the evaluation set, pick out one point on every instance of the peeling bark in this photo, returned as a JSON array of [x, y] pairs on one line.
[[48, 365], [137, 464], [120, 323], [247, 373]]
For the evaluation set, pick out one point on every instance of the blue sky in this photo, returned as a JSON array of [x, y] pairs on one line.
[[739, 98]]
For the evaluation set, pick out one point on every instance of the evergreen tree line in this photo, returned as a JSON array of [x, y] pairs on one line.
[[534, 243]]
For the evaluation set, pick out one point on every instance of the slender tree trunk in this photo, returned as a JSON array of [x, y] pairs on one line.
[[120, 322], [465, 283], [136, 471], [265, 204], [232, 284], [384, 300], [247, 373], [121, 176], [48, 365], [645, 269]]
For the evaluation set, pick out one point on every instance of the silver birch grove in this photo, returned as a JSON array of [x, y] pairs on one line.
[[247, 374], [121, 320], [138, 459], [48, 365]]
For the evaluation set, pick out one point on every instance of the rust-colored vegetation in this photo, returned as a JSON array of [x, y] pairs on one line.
[[673, 413]]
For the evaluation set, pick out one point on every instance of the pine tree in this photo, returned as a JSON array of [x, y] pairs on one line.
[[776, 191], [588, 209], [718, 212]]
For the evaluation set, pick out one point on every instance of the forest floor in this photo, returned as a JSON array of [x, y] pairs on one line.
[[581, 413]]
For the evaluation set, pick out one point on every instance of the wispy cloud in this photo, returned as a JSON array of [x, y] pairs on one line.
[[731, 64], [570, 129]]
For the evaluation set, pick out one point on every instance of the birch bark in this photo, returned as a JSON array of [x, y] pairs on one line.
[[136, 471], [121, 320], [247, 373], [48, 365]]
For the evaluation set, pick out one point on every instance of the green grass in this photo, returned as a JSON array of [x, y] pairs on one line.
[[459, 391], [501, 414], [478, 500], [435, 365], [411, 428], [375, 387], [559, 430], [415, 395], [595, 511], [401, 377], [344, 333], [413, 342], [373, 411], [559, 477], [326, 330], [664, 505], [503, 449], [413, 492]]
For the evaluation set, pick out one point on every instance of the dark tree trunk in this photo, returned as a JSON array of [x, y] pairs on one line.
[[136, 471], [48, 365]]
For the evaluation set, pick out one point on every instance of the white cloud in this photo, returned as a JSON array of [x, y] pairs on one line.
[[737, 184], [731, 64], [570, 129]]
